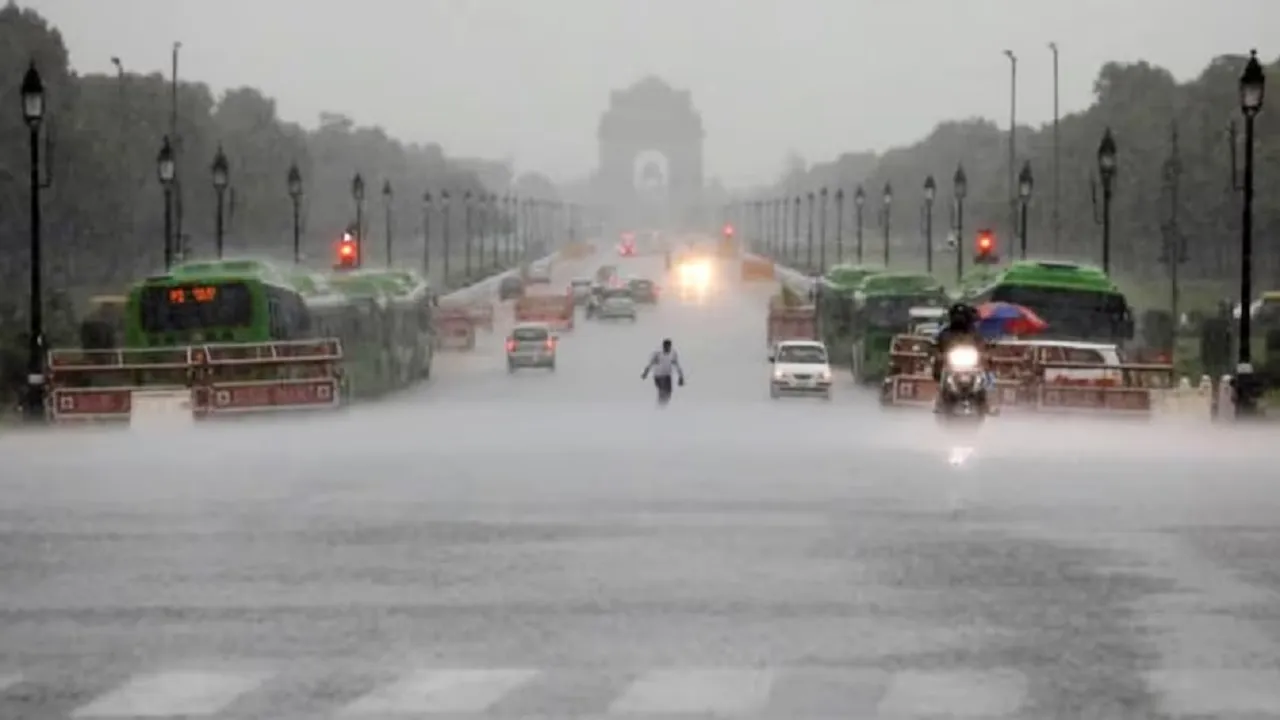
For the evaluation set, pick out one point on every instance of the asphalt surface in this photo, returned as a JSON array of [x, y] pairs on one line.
[[554, 545]]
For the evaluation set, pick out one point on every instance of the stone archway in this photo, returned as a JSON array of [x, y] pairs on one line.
[[650, 168]]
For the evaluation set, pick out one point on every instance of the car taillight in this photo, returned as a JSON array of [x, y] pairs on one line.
[[551, 344], [511, 345]]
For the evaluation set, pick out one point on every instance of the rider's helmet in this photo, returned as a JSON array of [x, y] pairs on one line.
[[666, 345], [961, 316]]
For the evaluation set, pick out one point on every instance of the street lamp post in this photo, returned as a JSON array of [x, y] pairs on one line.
[[1057, 219], [1024, 199], [1253, 83], [795, 237], [427, 207], [839, 225], [388, 198], [886, 210], [294, 182], [808, 252], [1175, 245], [1107, 171], [859, 199], [959, 189], [221, 177], [930, 190], [166, 169], [822, 232], [33, 109], [446, 226], [357, 194], [466, 233], [494, 226], [1012, 188]]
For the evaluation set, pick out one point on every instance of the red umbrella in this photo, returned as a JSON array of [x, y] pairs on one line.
[[1002, 318]]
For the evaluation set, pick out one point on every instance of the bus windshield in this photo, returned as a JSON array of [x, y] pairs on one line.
[[184, 308], [1070, 313], [891, 311]]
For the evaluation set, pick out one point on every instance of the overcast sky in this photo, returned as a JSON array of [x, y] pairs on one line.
[[528, 79]]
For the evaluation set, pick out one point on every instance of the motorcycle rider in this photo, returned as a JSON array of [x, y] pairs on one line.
[[961, 329], [661, 363]]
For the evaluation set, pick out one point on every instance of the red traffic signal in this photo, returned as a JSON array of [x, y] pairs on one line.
[[728, 231], [985, 247], [348, 252]]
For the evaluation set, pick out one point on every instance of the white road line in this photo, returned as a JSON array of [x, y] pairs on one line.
[[170, 694], [696, 690], [955, 694], [1216, 692], [441, 691]]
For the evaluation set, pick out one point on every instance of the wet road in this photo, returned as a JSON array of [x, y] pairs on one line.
[[555, 546]]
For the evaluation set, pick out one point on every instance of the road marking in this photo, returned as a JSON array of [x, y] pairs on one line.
[[170, 694], [955, 694], [1216, 692], [441, 691], [695, 691]]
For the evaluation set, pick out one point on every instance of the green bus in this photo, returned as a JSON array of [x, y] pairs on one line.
[[882, 309], [1079, 302], [383, 318]]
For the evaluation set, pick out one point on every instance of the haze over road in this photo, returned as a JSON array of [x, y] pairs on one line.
[[553, 546]]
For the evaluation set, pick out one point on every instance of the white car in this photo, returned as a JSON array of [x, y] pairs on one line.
[[616, 304], [800, 367]]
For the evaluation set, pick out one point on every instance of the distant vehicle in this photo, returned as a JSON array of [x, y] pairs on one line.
[[627, 248], [800, 367], [616, 304], [581, 289], [606, 274], [531, 345], [511, 288], [643, 290], [538, 275]]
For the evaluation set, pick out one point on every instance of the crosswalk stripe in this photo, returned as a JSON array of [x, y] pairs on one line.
[[169, 694], [441, 691], [696, 690], [955, 694]]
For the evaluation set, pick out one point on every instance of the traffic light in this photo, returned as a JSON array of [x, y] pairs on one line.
[[348, 253], [728, 231], [985, 248]]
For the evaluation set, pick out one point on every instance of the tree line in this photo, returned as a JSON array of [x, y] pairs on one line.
[[1158, 206], [103, 209]]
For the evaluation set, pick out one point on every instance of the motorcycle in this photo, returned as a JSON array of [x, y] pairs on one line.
[[962, 392]]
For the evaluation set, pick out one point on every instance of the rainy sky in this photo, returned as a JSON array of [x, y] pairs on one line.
[[527, 80]]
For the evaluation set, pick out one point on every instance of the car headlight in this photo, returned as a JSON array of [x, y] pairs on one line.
[[963, 358]]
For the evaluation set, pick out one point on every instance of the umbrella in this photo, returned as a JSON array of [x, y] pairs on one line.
[[1002, 318]]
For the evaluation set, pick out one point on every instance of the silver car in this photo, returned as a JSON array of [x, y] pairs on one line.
[[531, 345], [617, 305], [581, 289]]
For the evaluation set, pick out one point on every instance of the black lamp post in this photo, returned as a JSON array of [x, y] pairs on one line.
[[33, 113], [294, 181], [1253, 85], [466, 233], [808, 253], [887, 209], [859, 199], [959, 189], [839, 225], [930, 190], [388, 196], [446, 227], [795, 237], [1106, 171], [427, 207], [822, 231], [357, 194], [1025, 185], [221, 177], [166, 169]]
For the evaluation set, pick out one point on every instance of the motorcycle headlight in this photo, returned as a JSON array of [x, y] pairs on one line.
[[963, 358]]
